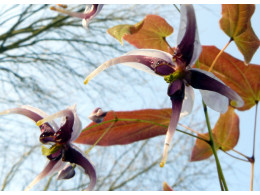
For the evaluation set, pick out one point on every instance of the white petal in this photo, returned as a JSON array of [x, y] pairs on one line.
[[48, 170], [88, 9], [133, 62], [77, 127], [187, 102], [215, 100], [152, 53]]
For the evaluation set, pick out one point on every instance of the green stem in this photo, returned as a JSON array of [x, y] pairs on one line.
[[213, 147]]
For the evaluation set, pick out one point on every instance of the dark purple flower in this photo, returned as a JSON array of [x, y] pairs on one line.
[[90, 12], [62, 152], [177, 71]]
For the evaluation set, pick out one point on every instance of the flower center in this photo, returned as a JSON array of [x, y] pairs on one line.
[[178, 74]]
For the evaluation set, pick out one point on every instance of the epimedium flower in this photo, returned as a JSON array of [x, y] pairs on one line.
[[90, 12], [63, 155], [177, 71]]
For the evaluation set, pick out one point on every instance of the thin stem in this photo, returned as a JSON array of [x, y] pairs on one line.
[[235, 156], [215, 60], [48, 183], [177, 8], [213, 147], [248, 158], [253, 156]]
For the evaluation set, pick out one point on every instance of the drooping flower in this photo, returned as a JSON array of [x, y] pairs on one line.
[[97, 115], [62, 156], [177, 71], [90, 12]]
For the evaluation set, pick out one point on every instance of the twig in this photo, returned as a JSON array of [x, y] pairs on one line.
[[252, 161]]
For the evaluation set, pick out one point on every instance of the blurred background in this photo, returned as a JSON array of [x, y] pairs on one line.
[[44, 58]]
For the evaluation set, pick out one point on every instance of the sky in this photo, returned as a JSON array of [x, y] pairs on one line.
[[210, 34]]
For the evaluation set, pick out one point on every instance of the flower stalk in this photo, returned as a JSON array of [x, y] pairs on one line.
[[222, 181]]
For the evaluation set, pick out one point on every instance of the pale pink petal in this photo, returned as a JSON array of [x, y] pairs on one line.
[[214, 89], [41, 113], [215, 100], [187, 102], [142, 59], [51, 168], [77, 127], [90, 12], [74, 155]]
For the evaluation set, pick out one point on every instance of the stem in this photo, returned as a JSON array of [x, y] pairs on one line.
[[253, 156], [236, 157], [214, 62], [248, 158], [177, 8], [141, 121], [212, 145]]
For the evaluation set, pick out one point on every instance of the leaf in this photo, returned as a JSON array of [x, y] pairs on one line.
[[201, 150], [127, 127], [150, 33], [225, 135], [235, 22], [166, 187], [226, 130], [119, 31], [245, 80]]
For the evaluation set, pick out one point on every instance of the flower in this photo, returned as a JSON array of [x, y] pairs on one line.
[[62, 151], [97, 115], [90, 12], [177, 71]]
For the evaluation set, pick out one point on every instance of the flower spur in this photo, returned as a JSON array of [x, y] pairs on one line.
[[90, 12]]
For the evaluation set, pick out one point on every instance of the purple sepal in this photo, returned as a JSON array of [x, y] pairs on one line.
[[176, 90], [197, 79], [163, 69], [63, 135], [73, 156], [189, 47]]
